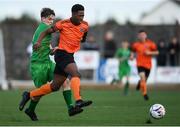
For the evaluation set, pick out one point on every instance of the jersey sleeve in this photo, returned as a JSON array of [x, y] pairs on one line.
[[153, 46], [86, 26], [87, 29], [58, 25]]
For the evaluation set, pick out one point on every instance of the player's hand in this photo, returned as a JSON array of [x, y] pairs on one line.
[[53, 50], [36, 46]]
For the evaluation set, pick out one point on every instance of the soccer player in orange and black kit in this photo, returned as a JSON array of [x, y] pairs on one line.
[[144, 49], [73, 31]]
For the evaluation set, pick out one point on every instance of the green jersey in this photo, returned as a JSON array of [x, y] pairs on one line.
[[124, 55], [41, 66], [42, 54], [124, 68]]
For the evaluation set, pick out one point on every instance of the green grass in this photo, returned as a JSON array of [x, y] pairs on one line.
[[109, 108]]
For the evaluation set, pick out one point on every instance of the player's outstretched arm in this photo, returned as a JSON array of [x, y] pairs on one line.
[[42, 35], [152, 53]]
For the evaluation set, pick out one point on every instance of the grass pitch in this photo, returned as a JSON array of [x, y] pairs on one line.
[[110, 108]]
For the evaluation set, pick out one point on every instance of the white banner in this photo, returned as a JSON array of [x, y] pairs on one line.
[[87, 59], [169, 75], [109, 71]]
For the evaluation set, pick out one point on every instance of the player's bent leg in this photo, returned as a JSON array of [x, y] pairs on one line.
[[31, 114], [40, 76], [142, 80], [67, 94], [143, 85], [57, 82], [48, 88], [146, 97], [72, 70], [75, 85], [138, 85], [30, 111], [68, 99], [43, 90], [24, 100], [60, 79]]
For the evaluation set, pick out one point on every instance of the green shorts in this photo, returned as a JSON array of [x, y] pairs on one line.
[[124, 71], [42, 73]]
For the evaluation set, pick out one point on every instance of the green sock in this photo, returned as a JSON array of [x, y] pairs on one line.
[[33, 105], [67, 97], [126, 87]]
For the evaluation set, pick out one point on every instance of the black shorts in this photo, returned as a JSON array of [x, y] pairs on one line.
[[145, 70], [62, 59]]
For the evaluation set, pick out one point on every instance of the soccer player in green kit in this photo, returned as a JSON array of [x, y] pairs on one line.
[[123, 54], [42, 67]]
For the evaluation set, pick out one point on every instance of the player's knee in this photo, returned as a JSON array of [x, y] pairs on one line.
[[142, 76], [66, 86], [78, 75], [36, 98], [55, 86]]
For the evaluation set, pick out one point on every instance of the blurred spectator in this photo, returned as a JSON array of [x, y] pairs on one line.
[[109, 45], [173, 51], [91, 44], [162, 57]]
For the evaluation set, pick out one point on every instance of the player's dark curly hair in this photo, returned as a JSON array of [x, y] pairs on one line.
[[77, 7], [141, 31], [45, 12]]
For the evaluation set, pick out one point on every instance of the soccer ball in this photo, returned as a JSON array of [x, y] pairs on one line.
[[157, 111]]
